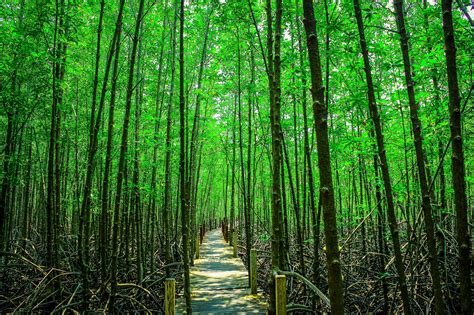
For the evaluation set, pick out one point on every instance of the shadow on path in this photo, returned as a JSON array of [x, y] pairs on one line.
[[219, 283]]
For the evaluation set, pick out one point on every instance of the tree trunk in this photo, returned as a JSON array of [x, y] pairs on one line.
[[309, 168], [320, 113], [52, 202], [192, 178], [136, 204], [393, 224], [123, 151], [104, 221], [5, 188], [83, 237], [232, 190], [296, 206], [169, 121], [274, 74], [417, 133], [184, 192], [248, 186], [152, 221], [458, 164]]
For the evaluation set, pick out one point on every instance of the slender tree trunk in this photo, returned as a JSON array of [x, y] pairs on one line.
[[192, 178], [27, 191], [286, 231], [380, 234], [104, 222], [8, 149], [248, 202], [393, 224], [52, 139], [136, 197], [5, 188], [83, 237], [243, 181], [309, 168], [123, 151], [226, 191], [361, 204], [61, 66], [295, 188], [417, 133], [297, 170], [152, 215], [296, 205], [52, 203], [458, 164], [320, 113], [408, 204], [169, 121], [442, 177], [274, 75], [232, 190], [184, 194], [77, 192]]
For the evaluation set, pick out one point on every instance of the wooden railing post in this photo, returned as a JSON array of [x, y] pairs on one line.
[[253, 271], [198, 242], [234, 243], [170, 304], [280, 294]]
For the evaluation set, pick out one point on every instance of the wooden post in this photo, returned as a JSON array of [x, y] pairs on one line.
[[234, 243], [170, 285], [198, 242], [253, 271], [280, 292]]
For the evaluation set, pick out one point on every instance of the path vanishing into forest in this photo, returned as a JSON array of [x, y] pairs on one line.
[[219, 282]]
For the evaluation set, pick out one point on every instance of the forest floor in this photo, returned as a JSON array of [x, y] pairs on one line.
[[219, 282]]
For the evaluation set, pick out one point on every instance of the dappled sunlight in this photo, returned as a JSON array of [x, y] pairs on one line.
[[219, 282]]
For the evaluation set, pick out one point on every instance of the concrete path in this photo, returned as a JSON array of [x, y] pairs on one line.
[[219, 283]]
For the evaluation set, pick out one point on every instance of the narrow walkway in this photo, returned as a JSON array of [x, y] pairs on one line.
[[219, 283]]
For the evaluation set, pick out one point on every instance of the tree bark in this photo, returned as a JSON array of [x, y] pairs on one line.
[[123, 151], [83, 237], [418, 142], [232, 190], [192, 177], [104, 222], [320, 113], [184, 192], [136, 197], [169, 122], [393, 224], [274, 73], [457, 158]]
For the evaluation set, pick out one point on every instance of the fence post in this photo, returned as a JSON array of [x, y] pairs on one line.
[[170, 304], [253, 271], [280, 293], [234, 243]]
